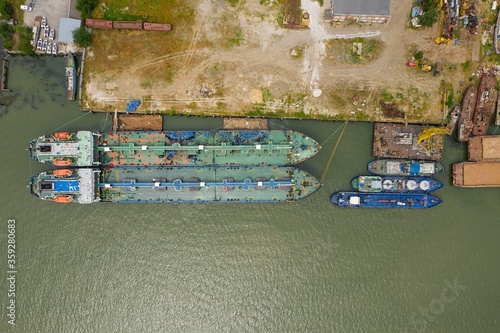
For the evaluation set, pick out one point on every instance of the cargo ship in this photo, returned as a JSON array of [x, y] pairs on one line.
[[485, 104], [395, 184], [137, 184], [465, 124], [176, 148], [384, 200], [454, 116], [404, 167], [71, 76]]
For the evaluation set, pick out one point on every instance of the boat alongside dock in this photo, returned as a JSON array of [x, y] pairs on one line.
[[407, 141], [476, 174], [465, 124], [484, 148], [384, 200], [176, 148], [386, 167], [176, 184], [71, 76], [454, 116], [66, 149], [395, 184], [485, 104]]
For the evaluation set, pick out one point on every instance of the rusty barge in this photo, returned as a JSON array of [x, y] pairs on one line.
[[484, 148]]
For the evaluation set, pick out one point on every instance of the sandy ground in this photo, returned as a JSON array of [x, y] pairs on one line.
[[275, 71]]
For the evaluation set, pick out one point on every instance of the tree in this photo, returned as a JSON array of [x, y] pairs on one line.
[[82, 37], [6, 9], [431, 12], [25, 37], [86, 7]]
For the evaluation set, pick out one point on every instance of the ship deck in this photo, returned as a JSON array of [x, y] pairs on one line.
[[400, 141], [476, 174], [205, 184], [205, 148]]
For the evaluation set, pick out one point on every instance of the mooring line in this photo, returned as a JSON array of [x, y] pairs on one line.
[[323, 144], [333, 153], [69, 122]]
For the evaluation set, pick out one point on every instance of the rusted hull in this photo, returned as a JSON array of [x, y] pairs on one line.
[[485, 105], [465, 124]]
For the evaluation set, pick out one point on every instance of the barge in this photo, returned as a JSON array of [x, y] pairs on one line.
[[407, 141], [384, 200], [476, 174], [174, 184], [178, 148], [484, 148]]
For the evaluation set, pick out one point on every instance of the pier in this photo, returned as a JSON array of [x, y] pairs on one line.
[[245, 124], [137, 122]]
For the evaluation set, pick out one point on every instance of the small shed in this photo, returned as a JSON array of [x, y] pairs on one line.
[[66, 27]]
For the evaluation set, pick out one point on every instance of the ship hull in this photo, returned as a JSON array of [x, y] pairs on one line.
[[465, 124], [183, 184], [392, 184], [485, 105], [385, 167], [384, 200]]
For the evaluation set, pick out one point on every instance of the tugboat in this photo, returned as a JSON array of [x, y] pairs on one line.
[[404, 167], [384, 200], [395, 184]]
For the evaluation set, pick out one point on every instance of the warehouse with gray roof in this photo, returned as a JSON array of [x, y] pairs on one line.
[[370, 11]]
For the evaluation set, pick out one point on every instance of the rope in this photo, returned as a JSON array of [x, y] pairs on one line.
[[105, 121], [69, 122], [344, 124], [333, 153], [270, 123], [495, 130]]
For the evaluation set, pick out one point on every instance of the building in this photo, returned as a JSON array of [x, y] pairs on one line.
[[66, 27], [369, 11]]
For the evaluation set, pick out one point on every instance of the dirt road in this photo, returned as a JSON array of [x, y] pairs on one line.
[[274, 71]]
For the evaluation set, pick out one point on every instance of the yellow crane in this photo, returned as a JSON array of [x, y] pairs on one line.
[[428, 134]]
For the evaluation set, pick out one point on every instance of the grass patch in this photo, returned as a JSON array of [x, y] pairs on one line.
[[345, 51], [236, 39]]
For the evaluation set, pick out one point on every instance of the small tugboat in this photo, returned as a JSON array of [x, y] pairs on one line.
[[384, 200], [395, 184], [454, 115], [387, 167]]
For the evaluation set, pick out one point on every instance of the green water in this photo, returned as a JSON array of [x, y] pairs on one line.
[[306, 266]]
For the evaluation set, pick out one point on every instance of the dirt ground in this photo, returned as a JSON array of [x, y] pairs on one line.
[[238, 61]]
